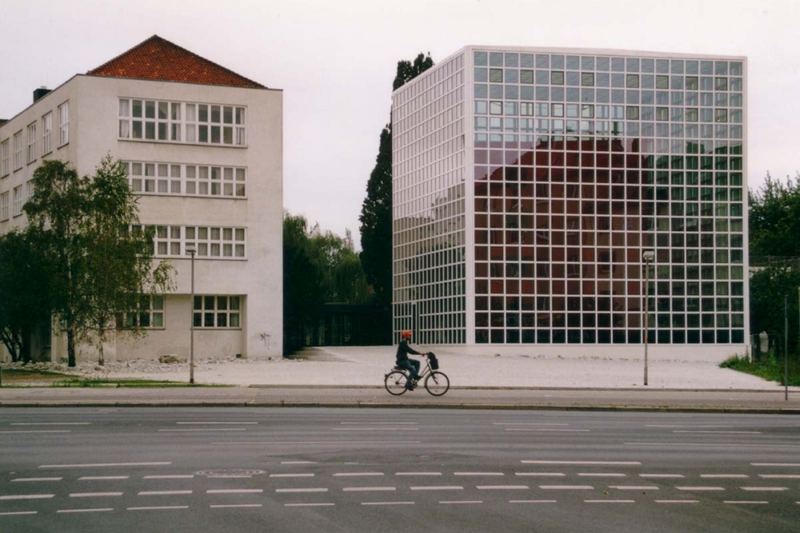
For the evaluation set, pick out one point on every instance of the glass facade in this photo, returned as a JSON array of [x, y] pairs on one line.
[[580, 162]]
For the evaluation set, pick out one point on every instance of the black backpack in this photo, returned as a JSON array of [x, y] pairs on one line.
[[433, 361]]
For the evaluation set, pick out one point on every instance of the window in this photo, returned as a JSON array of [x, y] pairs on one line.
[[154, 178], [217, 312], [47, 133], [18, 201], [5, 167], [4, 206], [148, 314], [216, 242], [215, 181], [18, 150], [63, 124], [31, 144], [557, 77], [175, 179], [158, 120]]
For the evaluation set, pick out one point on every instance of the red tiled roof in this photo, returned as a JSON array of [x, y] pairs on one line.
[[160, 60]]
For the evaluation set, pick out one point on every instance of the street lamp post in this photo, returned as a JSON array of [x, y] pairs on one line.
[[647, 256], [191, 250]]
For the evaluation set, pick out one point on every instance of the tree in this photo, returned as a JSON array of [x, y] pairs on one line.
[[24, 294], [376, 210], [98, 266]]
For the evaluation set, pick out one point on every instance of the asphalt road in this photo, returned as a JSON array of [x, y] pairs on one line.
[[262, 469]]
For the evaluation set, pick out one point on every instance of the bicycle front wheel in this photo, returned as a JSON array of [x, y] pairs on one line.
[[437, 383], [395, 383]]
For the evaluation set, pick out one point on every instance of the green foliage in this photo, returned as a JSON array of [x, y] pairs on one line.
[[97, 267], [775, 219], [770, 368], [376, 210], [767, 290], [24, 293], [317, 268]]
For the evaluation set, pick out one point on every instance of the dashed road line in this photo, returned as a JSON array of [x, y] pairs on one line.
[[695, 426], [170, 476], [379, 423], [234, 491], [200, 430], [779, 476], [310, 504], [30, 431], [700, 488], [303, 490], [678, 501], [716, 432], [549, 430], [18, 513], [234, 505], [479, 474], [540, 474], [369, 489], [50, 423], [764, 489], [214, 423], [581, 463], [103, 465], [163, 492], [634, 487], [87, 510], [35, 479], [376, 428], [566, 487], [532, 501], [94, 494], [459, 502], [436, 487], [502, 487], [389, 503], [357, 474], [609, 501], [9, 497], [298, 462], [293, 475], [746, 502], [101, 478], [417, 473], [529, 424], [159, 508], [724, 476], [662, 476], [601, 474], [776, 464]]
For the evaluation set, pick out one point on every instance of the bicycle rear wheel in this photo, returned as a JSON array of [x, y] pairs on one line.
[[437, 383], [395, 383]]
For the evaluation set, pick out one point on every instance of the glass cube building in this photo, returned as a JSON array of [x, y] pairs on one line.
[[529, 182]]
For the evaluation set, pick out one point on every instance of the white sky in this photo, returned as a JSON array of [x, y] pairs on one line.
[[335, 61]]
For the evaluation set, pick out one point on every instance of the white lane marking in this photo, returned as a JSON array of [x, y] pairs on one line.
[[234, 491], [310, 443], [724, 476], [369, 489], [459, 502], [50, 423], [163, 492], [235, 505], [170, 476], [601, 474], [774, 464], [18, 513], [551, 430], [708, 444], [298, 462], [764, 489], [158, 508], [26, 496], [87, 510], [779, 476], [28, 431], [94, 494], [379, 423], [745, 502], [101, 478], [677, 501], [388, 503], [320, 504], [662, 476], [436, 487], [292, 475], [200, 430], [634, 487], [539, 474], [695, 426], [609, 501], [700, 488], [715, 432], [502, 487], [532, 501], [605, 463], [357, 474], [32, 479], [311, 489], [529, 424], [102, 465], [214, 423], [417, 473], [377, 428], [478, 473], [566, 487]]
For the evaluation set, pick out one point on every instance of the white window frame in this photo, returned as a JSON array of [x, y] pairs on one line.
[[211, 311], [30, 151], [18, 151], [5, 161], [150, 314], [4, 206], [216, 242], [18, 201], [63, 124], [178, 179], [47, 133]]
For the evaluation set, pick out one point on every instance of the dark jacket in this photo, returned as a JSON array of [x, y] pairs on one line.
[[403, 349]]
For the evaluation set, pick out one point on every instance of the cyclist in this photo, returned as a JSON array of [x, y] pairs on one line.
[[403, 361]]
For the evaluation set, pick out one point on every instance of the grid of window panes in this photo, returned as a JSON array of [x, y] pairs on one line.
[[146, 177], [582, 162], [208, 241], [217, 312], [428, 205]]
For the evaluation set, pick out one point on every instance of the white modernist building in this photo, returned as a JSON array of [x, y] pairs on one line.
[[530, 185], [203, 146]]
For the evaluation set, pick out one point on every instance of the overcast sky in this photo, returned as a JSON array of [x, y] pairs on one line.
[[335, 61]]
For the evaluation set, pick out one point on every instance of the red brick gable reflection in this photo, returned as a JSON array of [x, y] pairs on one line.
[[160, 60]]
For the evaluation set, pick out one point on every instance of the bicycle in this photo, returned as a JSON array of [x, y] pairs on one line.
[[436, 382]]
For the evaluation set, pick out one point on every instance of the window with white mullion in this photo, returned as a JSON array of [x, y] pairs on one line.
[[47, 133], [5, 163], [216, 241], [63, 123], [18, 150], [216, 311], [18, 201], [31, 144], [4, 206]]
